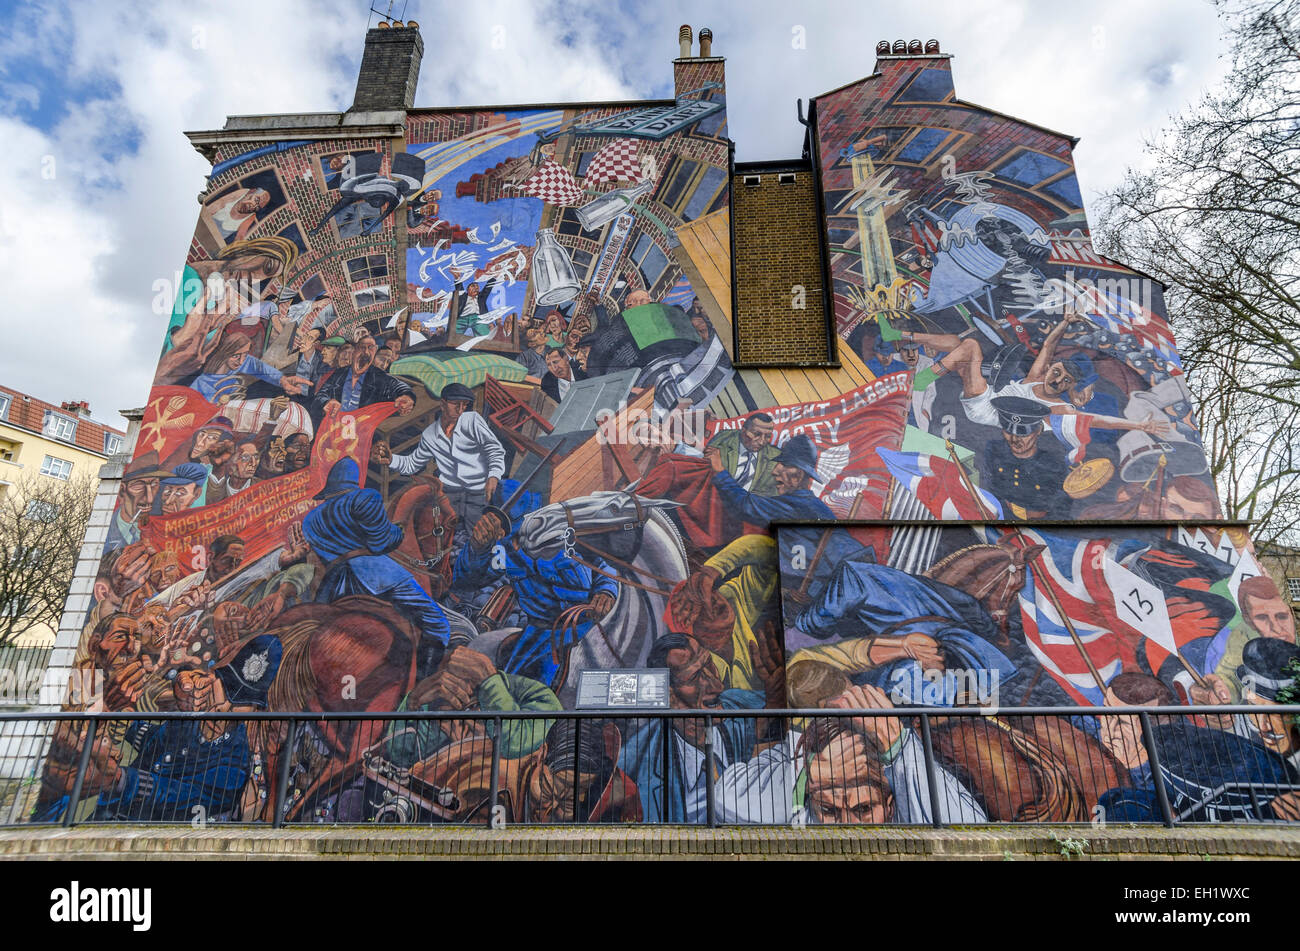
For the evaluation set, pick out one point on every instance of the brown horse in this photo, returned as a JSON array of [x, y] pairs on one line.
[[428, 523], [993, 574], [355, 655]]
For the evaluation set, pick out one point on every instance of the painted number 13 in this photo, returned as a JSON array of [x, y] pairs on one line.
[[1146, 606]]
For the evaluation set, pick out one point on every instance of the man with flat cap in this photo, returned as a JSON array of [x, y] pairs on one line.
[[351, 533], [183, 488], [1026, 476], [470, 458], [140, 485]]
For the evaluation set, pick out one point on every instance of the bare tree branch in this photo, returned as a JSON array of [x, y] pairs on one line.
[[42, 524]]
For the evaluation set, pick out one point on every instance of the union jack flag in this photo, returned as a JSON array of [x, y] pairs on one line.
[[1116, 613], [1067, 573], [1118, 314]]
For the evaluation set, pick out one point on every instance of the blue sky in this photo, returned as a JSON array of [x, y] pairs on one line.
[[98, 186]]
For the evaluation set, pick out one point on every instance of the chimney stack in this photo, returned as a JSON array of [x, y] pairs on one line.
[[390, 68], [684, 42]]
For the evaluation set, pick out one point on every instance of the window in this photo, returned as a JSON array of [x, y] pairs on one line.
[[649, 260], [367, 268], [4, 406], [371, 296], [928, 85], [581, 262], [1031, 168], [112, 444], [569, 224], [38, 510], [922, 145], [711, 182], [58, 468], [59, 427], [673, 182], [1293, 588], [711, 124], [1066, 189], [27, 556]]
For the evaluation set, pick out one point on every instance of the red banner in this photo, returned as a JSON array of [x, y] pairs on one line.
[[847, 430], [261, 514], [170, 418]]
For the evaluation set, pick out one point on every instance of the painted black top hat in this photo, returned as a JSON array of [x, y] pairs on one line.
[[1264, 663]]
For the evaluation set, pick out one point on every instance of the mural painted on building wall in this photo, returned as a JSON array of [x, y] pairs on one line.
[[441, 429]]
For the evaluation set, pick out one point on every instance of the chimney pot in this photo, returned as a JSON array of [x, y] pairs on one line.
[[684, 41], [382, 25], [900, 47], [882, 48], [412, 25], [932, 46], [914, 47], [706, 42]]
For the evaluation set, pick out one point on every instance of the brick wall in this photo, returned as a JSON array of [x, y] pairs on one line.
[[390, 68], [776, 249]]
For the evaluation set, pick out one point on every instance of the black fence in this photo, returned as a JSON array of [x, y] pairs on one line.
[[900, 766]]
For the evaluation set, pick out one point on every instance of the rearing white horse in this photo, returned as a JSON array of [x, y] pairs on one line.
[[630, 529]]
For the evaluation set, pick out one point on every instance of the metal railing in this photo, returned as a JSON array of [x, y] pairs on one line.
[[910, 766], [21, 672]]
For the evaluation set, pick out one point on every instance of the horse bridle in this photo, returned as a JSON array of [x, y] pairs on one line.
[[572, 533], [1008, 585]]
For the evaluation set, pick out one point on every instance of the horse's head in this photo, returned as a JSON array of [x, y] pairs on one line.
[[543, 533], [995, 574], [1003, 593]]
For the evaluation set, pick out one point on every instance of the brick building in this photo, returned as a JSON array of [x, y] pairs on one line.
[[557, 406], [55, 441]]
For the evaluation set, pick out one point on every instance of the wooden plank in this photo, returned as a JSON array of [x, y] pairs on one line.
[[782, 392]]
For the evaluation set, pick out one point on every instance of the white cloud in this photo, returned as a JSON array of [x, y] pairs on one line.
[[79, 252]]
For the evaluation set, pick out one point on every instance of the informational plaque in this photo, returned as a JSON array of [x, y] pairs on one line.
[[641, 689]]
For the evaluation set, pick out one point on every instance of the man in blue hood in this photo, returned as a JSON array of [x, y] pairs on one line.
[[350, 531]]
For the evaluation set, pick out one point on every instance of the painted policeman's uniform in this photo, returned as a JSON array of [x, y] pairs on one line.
[[545, 588]]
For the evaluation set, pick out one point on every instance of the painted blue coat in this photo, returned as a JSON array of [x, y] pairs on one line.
[[356, 521]]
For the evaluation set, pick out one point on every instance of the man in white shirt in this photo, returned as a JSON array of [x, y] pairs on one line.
[[470, 457]]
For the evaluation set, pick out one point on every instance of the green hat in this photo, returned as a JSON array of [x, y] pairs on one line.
[[334, 342]]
